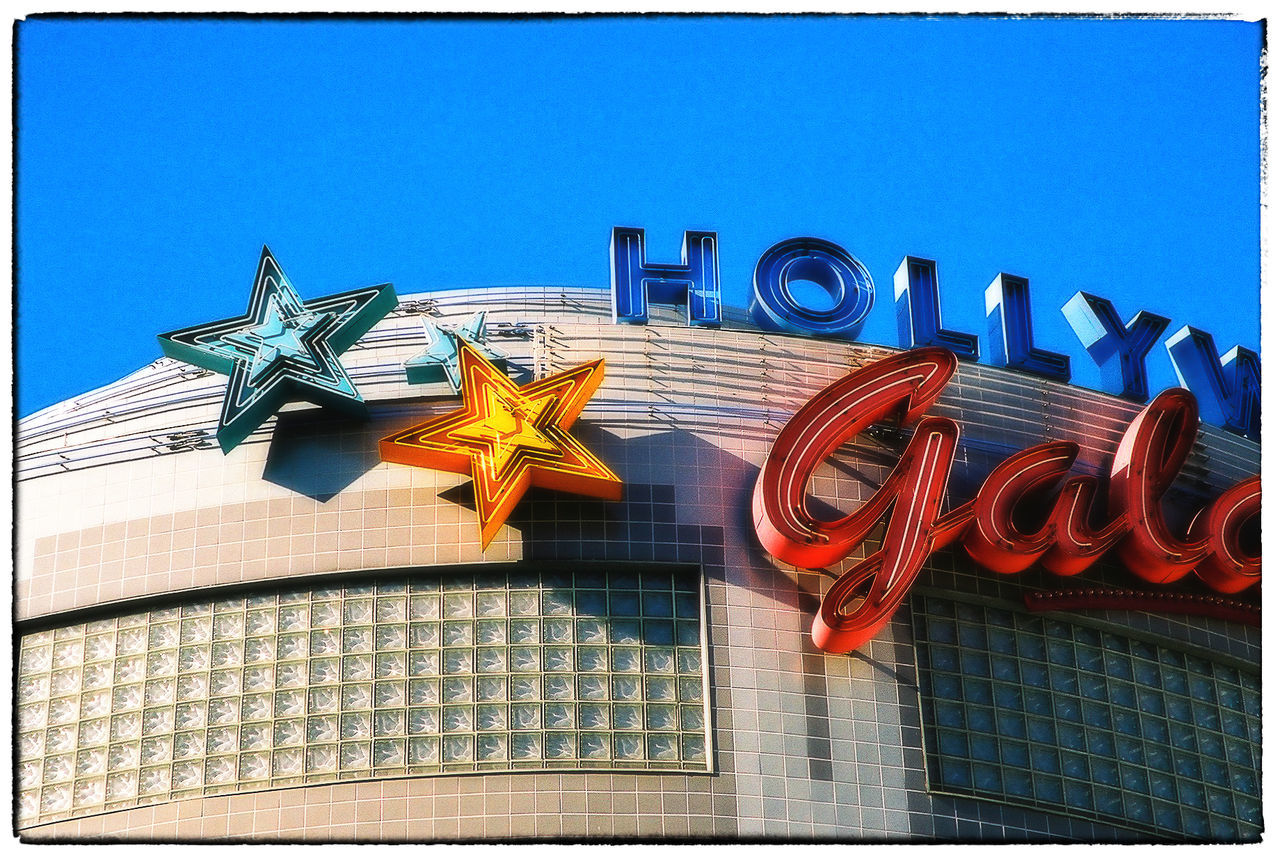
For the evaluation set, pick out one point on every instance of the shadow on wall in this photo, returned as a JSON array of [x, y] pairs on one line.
[[319, 454], [684, 500]]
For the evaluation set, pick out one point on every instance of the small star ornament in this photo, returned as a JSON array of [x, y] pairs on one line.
[[282, 349], [508, 438], [439, 360]]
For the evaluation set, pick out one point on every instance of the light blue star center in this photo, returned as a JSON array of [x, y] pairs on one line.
[[281, 337], [439, 361]]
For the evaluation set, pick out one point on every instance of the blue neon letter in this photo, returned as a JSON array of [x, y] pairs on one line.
[[1120, 350], [915, 293], [774, 307], [1228, 390], [1009, 326], [696, 280]]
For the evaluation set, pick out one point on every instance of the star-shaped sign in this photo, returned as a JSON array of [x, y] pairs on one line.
[[508, 438], [282, 349], [439, 361]]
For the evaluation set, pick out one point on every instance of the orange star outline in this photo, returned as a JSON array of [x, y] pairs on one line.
[[508, 438]]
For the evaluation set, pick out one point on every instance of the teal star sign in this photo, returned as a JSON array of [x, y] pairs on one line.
[[282, 349], [439, 361]]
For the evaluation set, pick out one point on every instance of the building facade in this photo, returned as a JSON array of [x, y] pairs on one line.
[[297, 641]]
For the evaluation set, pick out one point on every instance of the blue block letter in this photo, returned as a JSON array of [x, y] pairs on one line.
[[1009, 327], [775, 307], [1228, 390], [915, 293], [695, 281], [1120, 350]]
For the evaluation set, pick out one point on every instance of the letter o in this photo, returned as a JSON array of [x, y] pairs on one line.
[[829, 265]]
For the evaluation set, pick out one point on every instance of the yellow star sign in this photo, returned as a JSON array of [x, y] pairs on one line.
[[509, 438]]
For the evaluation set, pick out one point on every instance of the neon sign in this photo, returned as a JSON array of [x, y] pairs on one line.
[[1231, 384], [822, 262], [862, 600], [1008, 300], [508, 438], [439, 361], [283, 348], [695, 281], [1119, 349], [1228, 386], [915, 295]]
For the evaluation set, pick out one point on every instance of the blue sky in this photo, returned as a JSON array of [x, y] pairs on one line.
[[155, 157]]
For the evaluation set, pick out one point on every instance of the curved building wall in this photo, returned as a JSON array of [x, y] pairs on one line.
[[298, 641]]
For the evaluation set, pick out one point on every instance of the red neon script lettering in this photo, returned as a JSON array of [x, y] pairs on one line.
[[863, 599]]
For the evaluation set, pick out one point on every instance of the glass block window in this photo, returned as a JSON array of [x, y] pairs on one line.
[[567, 670], [1031, 710]]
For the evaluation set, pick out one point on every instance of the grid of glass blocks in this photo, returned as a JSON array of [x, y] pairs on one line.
[[435, 674], [1065, 717]]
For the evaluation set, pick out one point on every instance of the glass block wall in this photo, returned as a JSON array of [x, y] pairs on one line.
[[1065, 717], [433, 674]]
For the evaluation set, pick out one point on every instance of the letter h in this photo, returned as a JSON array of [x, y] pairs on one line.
[[695, 281]]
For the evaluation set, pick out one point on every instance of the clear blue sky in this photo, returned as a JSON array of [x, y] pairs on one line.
[[155, 157]]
